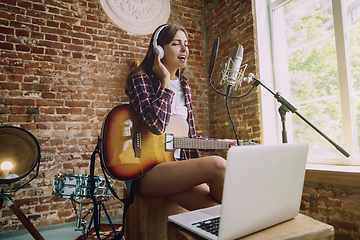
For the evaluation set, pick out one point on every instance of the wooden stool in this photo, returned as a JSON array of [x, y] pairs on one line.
[[300, 228], [146, 218]]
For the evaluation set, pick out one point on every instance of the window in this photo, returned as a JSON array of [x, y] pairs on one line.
[[309, 51]]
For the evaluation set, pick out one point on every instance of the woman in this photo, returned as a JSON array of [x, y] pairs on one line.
[[161, 95]]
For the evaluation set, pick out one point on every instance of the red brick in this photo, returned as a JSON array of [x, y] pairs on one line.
[[37, 35], [7, 15], [48, 118], [51, 44], [53, 10], [21, 118], [28, 127], [38, 21], [51, 37], [6, 30], [51, 51], [7, 46], [22, 33], [9, 2], [49, 102], [12, 86], [62, 110], [15, 70], [48, 95], [37, 50], [77, 55], [22, 48], [65, 26], [42, 126], [77, 41], [4, 110], [20, 102], [79, 29], [66, 19], [25, 56], [34, 87]]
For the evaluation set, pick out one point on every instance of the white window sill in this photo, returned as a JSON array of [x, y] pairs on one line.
[[342, 175]]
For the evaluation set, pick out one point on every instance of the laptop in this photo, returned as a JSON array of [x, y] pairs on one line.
[[263, 187]]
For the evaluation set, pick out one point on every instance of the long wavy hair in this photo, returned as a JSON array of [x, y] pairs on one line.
[[166, 36]]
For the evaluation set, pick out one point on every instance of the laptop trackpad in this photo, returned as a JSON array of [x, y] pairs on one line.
[[188, 218], [212, 211]]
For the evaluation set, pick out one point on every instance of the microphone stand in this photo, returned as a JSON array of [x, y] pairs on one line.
[[286, 107], [227, 95]]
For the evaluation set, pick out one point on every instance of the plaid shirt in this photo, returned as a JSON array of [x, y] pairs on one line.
[[153, 105]]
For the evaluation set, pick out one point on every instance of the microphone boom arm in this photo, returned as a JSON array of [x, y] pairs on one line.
[[289, 107]]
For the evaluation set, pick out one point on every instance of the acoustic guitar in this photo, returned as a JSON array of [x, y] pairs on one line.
[[129, 149]]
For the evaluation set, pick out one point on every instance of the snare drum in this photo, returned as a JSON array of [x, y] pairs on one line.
[[78, 186]]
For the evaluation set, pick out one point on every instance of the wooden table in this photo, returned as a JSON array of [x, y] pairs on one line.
[[300, 227]]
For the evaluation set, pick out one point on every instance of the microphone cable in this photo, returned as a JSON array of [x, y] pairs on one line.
[[211, 68], [228, 110], [227, 95]]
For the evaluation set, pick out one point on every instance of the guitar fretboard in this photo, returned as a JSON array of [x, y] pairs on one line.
[[192, 143]]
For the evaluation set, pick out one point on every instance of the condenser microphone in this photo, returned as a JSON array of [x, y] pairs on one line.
[[233, 73], [235, 65]]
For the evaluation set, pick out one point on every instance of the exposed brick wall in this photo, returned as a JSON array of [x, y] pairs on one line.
[[232, 22], [333, 204], [63, 68]]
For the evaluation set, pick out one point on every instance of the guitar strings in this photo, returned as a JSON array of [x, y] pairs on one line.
[[190, 143]]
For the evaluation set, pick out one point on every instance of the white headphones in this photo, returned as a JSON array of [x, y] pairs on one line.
[[156, 47]]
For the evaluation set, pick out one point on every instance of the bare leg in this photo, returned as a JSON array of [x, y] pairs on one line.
[[195, 198], [184, 182]]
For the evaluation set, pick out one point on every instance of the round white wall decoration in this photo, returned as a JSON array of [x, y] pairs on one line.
[[139, 17]]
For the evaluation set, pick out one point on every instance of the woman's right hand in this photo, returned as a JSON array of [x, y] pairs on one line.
[[161, 71]]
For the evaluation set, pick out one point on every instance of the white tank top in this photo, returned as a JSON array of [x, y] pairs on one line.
[[177, 123], [178, 107]]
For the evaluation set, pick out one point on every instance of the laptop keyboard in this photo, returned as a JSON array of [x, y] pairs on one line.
[[209, 225]]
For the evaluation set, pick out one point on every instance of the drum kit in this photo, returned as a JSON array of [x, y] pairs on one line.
[[20, 155], [76, 187]]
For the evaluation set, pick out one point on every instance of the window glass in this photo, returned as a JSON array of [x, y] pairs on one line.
[[306, 73], [352, 11]]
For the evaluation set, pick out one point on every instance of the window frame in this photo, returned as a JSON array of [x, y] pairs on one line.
[[270, 120]]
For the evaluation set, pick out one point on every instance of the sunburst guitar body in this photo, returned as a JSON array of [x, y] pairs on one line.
[[129, 149]]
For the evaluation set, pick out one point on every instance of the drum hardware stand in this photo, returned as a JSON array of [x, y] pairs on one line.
[[20, 215], [81, 221]]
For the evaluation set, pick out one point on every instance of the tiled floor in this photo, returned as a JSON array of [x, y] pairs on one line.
[[58, 232]]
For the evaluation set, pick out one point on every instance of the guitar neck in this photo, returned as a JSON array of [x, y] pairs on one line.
[[193, 143]]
